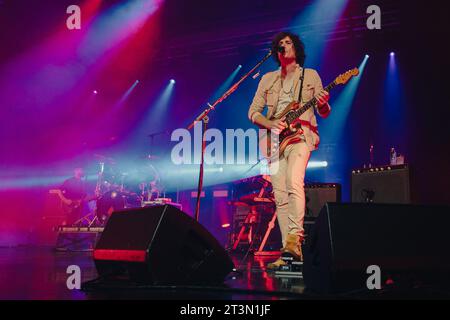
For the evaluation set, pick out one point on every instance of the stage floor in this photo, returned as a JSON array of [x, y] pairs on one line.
[[37, 273], [40, 273]]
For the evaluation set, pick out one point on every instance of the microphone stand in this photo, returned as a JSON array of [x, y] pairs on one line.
[[152, 137], [204, 118]]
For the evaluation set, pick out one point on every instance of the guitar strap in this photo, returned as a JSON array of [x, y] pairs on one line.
[[302, 77]]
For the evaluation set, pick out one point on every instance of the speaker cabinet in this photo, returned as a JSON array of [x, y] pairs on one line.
[[408, 243], [317, 194], [388, 184], [160, 245]]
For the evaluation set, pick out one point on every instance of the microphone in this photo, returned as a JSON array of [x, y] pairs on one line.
[[280, 49]]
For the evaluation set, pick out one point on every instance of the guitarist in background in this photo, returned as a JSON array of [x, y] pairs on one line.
[[277, 90], [74, 189]]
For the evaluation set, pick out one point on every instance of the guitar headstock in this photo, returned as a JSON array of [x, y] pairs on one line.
[[343, 78]]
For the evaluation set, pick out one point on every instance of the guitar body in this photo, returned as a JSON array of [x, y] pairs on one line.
[[273, 145], [68, 205]]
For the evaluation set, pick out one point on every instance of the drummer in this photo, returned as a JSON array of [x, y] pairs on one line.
[[154, 191]]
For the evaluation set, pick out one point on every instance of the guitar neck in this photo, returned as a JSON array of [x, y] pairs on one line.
[[298, 112]]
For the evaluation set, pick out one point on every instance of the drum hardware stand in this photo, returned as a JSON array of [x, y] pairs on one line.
[[86, 218], [204, 118], [95, 219], [248, 222], [97, 193], [260, 251], [250, 219]]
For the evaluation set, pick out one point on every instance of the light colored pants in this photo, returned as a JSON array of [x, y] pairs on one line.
[[287, 178]]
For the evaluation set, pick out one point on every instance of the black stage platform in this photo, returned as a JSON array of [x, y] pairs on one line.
[[39, 273]]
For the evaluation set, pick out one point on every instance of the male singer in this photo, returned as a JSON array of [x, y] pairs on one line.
[[276, 90]]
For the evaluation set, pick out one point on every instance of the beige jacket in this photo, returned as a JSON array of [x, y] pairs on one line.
[[268, 92]]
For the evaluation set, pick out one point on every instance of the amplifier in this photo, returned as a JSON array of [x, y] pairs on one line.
[[317, 194], [384, 184]]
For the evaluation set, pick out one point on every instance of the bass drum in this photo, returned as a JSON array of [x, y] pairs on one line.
[[132, 200], [140, 181], [108, 203], [114, 201]]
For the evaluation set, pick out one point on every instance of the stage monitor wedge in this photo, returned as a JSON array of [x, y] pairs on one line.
[[409, 243], [160, 245]]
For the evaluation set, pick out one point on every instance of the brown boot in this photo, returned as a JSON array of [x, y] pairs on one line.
[[293, 247], [276, 264]]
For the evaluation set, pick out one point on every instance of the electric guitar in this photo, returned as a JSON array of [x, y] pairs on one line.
[[273, 145], [70, 205]]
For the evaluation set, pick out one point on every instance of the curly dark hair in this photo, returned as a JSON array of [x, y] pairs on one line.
[[298, 45]]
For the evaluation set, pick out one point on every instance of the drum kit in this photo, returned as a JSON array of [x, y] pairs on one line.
[[117, 190]]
